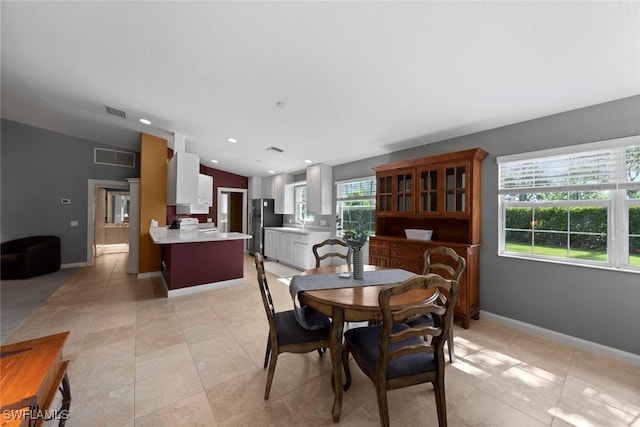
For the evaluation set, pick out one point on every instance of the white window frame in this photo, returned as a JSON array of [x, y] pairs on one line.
[[298, 207], [340, 200], [617, 204]]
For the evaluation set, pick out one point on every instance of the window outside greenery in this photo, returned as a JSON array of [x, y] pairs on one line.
[[300, 197], [356, 204], [577, 207]]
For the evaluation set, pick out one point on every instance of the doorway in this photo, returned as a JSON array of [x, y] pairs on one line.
[[108, 216], [232, 210]]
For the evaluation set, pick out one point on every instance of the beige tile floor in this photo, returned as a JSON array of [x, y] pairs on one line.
[[140, 359]]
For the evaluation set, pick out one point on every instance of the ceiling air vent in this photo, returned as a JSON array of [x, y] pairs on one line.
[[103, 156], [276, 149], [116, 112]]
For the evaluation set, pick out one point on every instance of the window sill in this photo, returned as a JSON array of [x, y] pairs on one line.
[[573, 264]]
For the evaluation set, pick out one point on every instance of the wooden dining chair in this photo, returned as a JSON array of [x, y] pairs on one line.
[[285, 333], [450, 265], [394, 354], [346, 254]]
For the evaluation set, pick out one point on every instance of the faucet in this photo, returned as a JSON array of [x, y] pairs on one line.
[[301, 223]]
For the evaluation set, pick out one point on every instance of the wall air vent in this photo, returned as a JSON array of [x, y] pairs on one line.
[[276, 149], [103, 156], [116, 112]]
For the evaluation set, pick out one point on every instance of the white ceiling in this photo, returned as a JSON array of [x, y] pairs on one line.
[[359, 79]]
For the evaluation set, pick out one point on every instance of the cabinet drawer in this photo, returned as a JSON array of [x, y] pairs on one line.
[[376, 243], [405, 264], [379, 250], [301, 238], [409, 246], [408, 254]]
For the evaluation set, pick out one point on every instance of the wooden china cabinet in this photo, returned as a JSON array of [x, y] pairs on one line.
[[439, 193]]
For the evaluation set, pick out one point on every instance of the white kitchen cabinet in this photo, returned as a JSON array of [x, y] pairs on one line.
[[270, 244], [182, 178], [283, 193], [205, 190], [303, 257], [284, 247], [205, 198], [267, 190], [320, 189], [300, 254], [255, 188], [294, 248]]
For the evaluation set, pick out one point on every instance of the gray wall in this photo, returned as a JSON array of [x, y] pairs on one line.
[[40, 167], [597, 305]]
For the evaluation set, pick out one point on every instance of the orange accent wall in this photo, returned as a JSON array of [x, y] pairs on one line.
[[153, 198]]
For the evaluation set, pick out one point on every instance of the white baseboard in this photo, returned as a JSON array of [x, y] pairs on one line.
[[150, 274], [74, 265], [613, 353], [201, 288]]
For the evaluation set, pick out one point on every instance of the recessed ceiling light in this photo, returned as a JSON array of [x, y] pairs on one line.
[[307, 161], [214, 161], [145, 121], [272, 171], [231, 140], [281, 104]]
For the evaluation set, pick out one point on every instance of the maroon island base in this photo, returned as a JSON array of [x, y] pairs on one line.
[[199, 263]]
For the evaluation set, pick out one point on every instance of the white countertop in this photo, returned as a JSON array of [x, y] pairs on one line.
[[297, 230], [165, 236]]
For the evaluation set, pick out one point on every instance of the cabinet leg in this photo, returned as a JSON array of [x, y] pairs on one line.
[[466, 322], [476, 316]]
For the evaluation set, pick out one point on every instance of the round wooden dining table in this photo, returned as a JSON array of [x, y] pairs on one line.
[[350, 304]]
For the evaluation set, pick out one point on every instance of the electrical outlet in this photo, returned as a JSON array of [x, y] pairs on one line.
[[74, 223], [323, 222]]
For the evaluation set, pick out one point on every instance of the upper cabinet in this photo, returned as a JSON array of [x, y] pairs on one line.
[[395, 192], [444, 188], [283, 193], [205, 189], [255, 187], [182, 178], [205, 198], [268, 188], [320, 189], [439, 192]]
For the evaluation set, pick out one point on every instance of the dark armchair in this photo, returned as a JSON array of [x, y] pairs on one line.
[[30, 256]]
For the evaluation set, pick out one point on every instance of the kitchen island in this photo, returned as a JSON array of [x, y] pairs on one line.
[[199, 259]]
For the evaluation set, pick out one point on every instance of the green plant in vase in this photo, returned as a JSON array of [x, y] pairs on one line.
[[356, 238]]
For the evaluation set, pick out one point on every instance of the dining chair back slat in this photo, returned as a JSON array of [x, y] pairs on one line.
[[345, 254]]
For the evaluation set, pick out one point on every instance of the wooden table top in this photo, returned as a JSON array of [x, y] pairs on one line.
[[360, 303], [29, 370]]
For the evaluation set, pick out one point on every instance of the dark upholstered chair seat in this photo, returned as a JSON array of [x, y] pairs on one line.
[[289, 330], [365, 342]]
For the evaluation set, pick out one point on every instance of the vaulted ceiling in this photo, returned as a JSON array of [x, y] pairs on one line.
[[327, 82]]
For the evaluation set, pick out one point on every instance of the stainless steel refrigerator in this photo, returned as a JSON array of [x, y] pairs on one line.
[[261, 216]]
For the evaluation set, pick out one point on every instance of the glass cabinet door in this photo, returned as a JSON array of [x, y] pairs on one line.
[[428, 191], [455, 188], [404, 192], [384, 190]]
